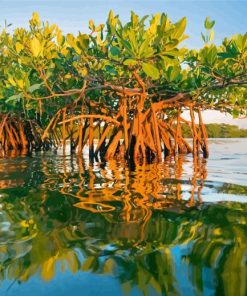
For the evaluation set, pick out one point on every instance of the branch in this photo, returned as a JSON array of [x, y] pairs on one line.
[[106, 118], [163, 104]]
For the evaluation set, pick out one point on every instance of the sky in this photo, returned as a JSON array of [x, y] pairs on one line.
[[73, 16]]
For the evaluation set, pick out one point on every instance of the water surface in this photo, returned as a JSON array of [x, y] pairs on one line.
[[175, 228]]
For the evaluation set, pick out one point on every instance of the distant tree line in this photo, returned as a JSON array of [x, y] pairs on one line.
[[216, 130]]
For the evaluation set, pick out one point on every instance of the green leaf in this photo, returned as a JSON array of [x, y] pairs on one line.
[[91, 25], [173, 73], [180, 28], [203, 37], [127, 47], [145, 51], [34, 87], [111, 70], [235, 113], [83, 41], [211, 35], [115, 51], [151, 71], [225, 55], [208, 24], [134, 19], [13, 98], [130, 62], [212, 55]]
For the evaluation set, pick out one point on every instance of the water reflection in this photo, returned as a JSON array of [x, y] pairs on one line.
[[149, 228]]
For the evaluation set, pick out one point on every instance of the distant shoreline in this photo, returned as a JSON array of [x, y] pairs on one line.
[[221, 131]]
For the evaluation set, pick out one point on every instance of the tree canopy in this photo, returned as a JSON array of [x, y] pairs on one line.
[[136, 79]]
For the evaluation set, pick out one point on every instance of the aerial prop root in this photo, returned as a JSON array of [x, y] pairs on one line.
[[19, 134]]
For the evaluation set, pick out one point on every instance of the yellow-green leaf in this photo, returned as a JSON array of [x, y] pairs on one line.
[[12, 81], [20, 83], [130, 62], [35, 47], [19, 47], [151, 71], [48, 269], [36, 17], [180, 28], [211, 36], [84, 72], [91, 25], [71, 40], [88, 263]]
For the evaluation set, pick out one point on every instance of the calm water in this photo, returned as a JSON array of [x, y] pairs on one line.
[[176, 228]]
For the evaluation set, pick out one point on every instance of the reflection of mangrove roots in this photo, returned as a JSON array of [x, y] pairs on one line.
[[135, 194]]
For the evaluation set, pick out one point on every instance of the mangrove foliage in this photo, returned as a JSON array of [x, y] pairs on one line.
[[128, 83]]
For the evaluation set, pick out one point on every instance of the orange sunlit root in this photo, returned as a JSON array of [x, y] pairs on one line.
[[19, 134], [134, 131]]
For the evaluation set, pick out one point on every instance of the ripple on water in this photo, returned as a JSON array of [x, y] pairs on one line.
[[63, 220]]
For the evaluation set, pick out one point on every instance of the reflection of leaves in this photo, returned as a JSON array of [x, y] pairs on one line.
[[48, 269], [211, 239], [90, 263], [72, 261], [152, 264], [108, 266]]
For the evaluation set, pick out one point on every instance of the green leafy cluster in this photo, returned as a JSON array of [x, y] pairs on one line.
[[43, 70]]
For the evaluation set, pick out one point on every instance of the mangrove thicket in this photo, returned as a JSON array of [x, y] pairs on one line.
[[122, 88]]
